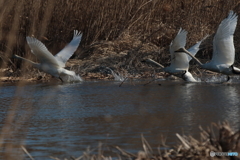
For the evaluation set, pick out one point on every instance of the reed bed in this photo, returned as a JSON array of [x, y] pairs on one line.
[[129, 25], [217, 137]]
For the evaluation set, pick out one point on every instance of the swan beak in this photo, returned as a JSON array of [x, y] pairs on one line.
[[235, 70]]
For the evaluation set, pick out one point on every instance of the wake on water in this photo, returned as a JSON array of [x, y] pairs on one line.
[[220, 79], [69, 78], [76, 78], [117, 76]]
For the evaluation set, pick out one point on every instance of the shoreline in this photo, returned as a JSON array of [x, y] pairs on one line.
[[92, 77]]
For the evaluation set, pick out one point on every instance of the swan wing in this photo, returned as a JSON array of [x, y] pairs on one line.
[[179, 60], [41, 52], [223, 47], [68, 50], [69, 76], [179, 41], [195, 48]]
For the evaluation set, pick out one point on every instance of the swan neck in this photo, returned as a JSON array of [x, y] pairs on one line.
[[198, 62], [154, 62], [27, 60]]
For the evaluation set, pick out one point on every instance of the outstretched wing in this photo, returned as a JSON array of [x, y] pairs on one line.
[[179, 61], [194, 49], [68, 50], [41, 52], [223, 47], [179, 41]]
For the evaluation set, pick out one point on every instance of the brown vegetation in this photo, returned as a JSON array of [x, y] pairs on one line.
[[216, 138], [116, 34], [136, 28]]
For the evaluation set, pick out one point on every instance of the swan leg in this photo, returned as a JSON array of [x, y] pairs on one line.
[[228, 78], [183, 76], [61, 79]]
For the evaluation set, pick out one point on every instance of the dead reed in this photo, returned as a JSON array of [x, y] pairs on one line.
[[217, 138], [149, 21]]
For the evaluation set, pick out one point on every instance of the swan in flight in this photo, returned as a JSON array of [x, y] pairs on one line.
[[54, 65], [223, 48], [179, 61]]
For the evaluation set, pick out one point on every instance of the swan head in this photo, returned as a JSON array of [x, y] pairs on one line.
[[187, 76], [235, 70]]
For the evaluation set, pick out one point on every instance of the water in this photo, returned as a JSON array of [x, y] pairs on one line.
[[71, 78], [62, 120], [117, 76]]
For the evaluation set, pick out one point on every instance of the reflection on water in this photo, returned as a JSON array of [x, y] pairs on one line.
[[64, 119]]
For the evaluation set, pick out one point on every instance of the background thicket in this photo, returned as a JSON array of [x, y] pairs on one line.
[[129, 28]]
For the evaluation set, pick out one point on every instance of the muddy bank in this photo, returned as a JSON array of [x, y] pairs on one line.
[[124, 56], [93, 62], [118, 37]]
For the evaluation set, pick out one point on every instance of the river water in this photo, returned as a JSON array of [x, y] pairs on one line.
[[62, 120]]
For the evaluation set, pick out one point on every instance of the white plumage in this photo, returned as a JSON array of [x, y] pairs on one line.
[[54, 65], [180, 62], [223, 48]]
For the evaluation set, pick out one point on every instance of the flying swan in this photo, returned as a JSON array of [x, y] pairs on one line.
[[54, 65], [223, 48], [179, 61]]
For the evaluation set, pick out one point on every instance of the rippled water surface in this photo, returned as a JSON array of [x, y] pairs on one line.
[[62, 120]]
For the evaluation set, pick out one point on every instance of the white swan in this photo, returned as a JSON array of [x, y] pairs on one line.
[[54, 65], [179, 61], [223, 48]]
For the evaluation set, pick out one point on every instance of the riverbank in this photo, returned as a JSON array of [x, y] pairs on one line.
[[95, 62], [119, 37]]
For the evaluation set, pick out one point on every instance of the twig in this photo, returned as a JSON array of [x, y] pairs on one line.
[[85, 154], [54, 158], [24, 149], [147, 148], [183, 141], [151, 81], [123, 81], [125, 153]]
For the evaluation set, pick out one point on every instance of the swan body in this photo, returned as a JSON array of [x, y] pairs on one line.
[[179, 61], [223, 48], [54, 65]]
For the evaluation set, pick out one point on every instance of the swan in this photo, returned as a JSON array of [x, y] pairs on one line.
[[179, 62], [223, 48], [54, 65]]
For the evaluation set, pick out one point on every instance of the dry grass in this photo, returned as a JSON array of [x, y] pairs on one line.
[[218, 138], [147, 21]]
